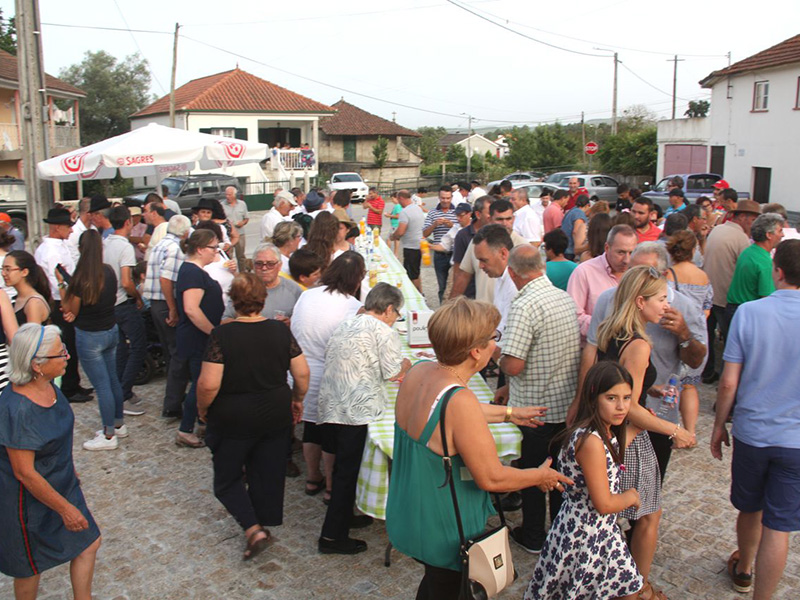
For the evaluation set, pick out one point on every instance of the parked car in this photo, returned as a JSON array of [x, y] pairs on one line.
[[600, 187], [561, 177], [694, 186], [535, 189], [517, 179], [187, 190], [350, 181], [13, 202]]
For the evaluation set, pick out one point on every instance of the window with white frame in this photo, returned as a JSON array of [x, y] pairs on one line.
[[224, 132], [761, 95]]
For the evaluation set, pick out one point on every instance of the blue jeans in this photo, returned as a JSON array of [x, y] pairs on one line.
[[441, 264], [190, 402], [131, 330], [97, 351]]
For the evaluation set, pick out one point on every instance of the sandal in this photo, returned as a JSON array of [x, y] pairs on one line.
[[256, 547], [314, 487], [648, 592], [326, 498]]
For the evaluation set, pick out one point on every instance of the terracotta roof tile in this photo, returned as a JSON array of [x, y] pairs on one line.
[[788, 51], [8, 71], [351, 120], [235, 91]]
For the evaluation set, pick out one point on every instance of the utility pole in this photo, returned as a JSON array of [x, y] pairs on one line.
[[469, 146], [174, 72], [32, 95], [674, 60], [614, 99], [583, 134]]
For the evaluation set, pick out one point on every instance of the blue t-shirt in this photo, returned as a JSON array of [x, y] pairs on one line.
[[568, 224], [190, 340], [558, 272], [763, 339]]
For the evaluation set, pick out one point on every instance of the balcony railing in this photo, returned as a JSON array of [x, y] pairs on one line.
[[296, 159], [61, 136]]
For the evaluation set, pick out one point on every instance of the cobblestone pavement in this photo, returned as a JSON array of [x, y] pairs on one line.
[[165, 536]]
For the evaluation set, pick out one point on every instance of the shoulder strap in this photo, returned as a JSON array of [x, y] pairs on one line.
[[675, 279], [448, 469], [427, 432]]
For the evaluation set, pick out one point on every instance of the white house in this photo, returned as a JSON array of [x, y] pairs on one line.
[[474, 145], [755, 123], [240, 105]]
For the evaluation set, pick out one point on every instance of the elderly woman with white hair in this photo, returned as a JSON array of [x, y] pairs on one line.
[[287, 237], [363, 353], [43, 514]]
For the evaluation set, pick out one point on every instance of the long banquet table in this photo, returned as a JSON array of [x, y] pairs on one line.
[[373, 478]]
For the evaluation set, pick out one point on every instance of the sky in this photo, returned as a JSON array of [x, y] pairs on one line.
[[433, 62]]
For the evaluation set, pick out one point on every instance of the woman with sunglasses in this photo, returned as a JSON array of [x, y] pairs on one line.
[[200, 309], [641, 298], [43, 514], [21, 272], [89, 299]]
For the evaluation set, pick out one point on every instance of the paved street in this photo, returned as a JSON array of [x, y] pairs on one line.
[[165, 536]]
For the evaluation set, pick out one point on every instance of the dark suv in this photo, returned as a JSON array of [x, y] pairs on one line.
[[186, 190]]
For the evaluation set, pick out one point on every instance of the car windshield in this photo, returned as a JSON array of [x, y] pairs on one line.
[[173, 186], [13, 192], [662, 185], [347, 178]]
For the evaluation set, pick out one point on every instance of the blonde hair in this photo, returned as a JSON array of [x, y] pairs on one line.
[[625, 321], [460, 325]]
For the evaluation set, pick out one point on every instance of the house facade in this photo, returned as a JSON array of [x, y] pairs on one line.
[[240, 105], [474, 145], [348, 137], [62, 106]]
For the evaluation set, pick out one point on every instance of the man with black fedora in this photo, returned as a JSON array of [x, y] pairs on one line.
[[53, 251], [98, 213]]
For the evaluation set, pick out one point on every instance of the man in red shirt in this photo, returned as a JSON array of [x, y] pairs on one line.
[[645, 230], [374, 204], [575, 190]]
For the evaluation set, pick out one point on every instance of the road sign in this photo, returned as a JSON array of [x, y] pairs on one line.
[[590, 148]]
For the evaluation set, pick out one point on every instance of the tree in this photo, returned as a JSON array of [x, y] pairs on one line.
[[698, 108], [636, 117], [8, 35], [630, 153], [427, 146], [380, 152], [544, 146], [114, 91]]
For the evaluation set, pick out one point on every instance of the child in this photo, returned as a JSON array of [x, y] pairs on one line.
[[395, 221], [584, 555], [305, 268]]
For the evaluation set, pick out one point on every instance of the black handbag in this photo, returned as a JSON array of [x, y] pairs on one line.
[[487, 567]]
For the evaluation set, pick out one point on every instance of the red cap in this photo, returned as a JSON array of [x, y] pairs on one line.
[[721, 185], [5, 218]]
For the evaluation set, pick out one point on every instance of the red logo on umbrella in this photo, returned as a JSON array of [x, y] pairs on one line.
[[74, 163], [91, 175], [233, 150]]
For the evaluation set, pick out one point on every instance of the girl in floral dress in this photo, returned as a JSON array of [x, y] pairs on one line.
[[585, 556]]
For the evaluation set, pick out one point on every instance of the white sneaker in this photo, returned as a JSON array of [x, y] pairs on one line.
[[120, 432], [132, 409], [101, 442]]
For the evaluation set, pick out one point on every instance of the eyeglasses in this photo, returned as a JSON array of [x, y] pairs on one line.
[[260, 264], [214, 248], [653, 273], [64, 353], [497, 336], [7, 269]]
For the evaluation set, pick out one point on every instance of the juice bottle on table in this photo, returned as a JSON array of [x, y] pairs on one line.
[[426, 251], [362, 226], [376, 236]]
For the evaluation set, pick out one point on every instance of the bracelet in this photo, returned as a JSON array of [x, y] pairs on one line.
[[508, 414], [674, 433]]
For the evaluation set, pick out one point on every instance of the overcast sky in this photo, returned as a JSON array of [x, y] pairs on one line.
[[431, 54]]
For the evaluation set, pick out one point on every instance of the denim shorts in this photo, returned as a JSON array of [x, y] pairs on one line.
[[767, 479]]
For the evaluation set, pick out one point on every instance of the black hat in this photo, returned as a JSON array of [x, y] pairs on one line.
[[463, 207], [58, 216], [204, 204], [98, 202], [676, 192]]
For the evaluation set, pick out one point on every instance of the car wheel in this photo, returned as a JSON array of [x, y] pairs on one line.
[[147, 371]]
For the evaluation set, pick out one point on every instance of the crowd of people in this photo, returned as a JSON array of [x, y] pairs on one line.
[[600, 325]]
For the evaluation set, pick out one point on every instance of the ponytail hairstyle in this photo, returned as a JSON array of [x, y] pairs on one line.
[[36, 276], [88, 279], [200, 238]]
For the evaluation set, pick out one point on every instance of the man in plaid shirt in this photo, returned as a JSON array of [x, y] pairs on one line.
[[159, 288], [541, 355]]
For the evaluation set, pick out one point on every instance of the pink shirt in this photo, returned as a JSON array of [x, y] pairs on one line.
[[553, 215], [587, 282]]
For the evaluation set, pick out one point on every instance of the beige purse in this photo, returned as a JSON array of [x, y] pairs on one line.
[[486, 564]]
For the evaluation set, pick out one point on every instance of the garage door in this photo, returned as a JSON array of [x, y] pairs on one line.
[[685, 158]]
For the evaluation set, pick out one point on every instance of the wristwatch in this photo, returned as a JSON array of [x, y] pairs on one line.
[[686, 343]]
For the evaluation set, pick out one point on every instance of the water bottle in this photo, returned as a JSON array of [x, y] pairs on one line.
[[668, 405]]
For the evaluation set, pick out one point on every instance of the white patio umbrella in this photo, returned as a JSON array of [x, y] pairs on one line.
[[154, 150]]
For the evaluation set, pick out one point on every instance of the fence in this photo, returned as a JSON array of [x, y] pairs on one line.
[[260, 194]]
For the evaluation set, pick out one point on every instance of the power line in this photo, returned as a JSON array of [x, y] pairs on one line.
[[139, 48], [647, 82], [128, 29], [514, 31]]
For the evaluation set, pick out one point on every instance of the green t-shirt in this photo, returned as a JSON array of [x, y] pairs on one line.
[[558, 272], [752, 278], [395, 211]]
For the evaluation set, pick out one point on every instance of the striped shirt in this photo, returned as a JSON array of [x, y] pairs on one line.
[[438, 213], [165, 261]]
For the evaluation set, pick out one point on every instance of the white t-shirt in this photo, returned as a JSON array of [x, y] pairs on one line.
[[478, 192], [528, 224], [316, 315], [504, 292], [269, 221]]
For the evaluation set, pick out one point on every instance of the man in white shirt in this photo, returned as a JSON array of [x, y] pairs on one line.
[[526, 222], [461, 194], [492, 245], [154, 214], [475, 192], [54, 250], [281, 206], [539, 204], [82, 223]]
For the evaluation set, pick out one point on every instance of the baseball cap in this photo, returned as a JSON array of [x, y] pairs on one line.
[[677, 192], [287, 196], [5, 218], [463, 208], [721, 185]]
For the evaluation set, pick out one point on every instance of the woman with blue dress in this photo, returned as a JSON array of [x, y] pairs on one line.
[[43, 514]]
